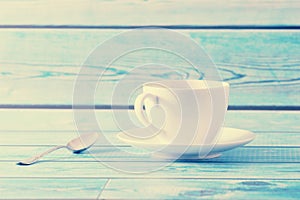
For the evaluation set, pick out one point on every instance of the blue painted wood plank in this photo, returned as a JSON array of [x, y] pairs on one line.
[[51, 188], [148, 189], [50, 138], [186, 170], [124, 153], [261, 66], [46, 121], [172, 12], [262, 71], [64, 165], [201, 189]]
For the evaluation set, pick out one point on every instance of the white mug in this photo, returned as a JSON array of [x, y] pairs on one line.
[[186, 111]]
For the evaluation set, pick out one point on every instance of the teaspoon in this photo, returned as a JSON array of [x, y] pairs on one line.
[[76, 145]]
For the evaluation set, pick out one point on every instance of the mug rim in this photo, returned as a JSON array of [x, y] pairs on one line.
[[208, 84]]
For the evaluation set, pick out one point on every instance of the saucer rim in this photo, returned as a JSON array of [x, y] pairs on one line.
[[251, 137], [215, 151]]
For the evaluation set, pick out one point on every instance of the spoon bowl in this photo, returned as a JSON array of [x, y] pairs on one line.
[[82, 143]]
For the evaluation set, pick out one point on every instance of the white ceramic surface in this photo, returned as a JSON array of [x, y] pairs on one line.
[[230, 138], [188, 111]]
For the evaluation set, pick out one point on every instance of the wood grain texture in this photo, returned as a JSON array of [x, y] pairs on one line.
[[20, 139], [41, 66], [129, 154], [136, 12], [201, 189], [45, 121], [51, 188], [43, 45], [56, 169], [274, 145], [267, 168], [150, 188]]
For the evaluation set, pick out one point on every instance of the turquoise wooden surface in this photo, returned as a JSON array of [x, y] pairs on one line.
[[255, 45], [261, 66], [160, 189], [47, 122], [51, 188], [128, 12], [119, 154], [202, 189], [259, 169]]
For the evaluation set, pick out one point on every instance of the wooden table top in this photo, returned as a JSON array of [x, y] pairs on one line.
[[254, 45], [267, 167]]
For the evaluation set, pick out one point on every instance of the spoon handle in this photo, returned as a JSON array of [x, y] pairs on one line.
[[33, 159]]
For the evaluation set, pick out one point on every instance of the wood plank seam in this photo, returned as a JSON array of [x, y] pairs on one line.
[[131, 107], [103, 188], [178, 27]]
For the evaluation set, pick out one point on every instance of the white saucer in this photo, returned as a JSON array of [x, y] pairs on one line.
[[230, 138]]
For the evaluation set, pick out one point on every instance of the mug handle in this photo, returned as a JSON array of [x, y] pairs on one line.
[[138, 108]]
